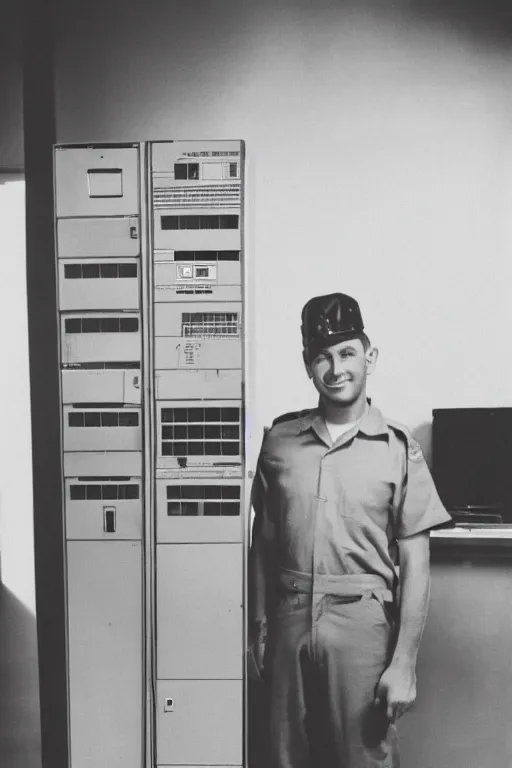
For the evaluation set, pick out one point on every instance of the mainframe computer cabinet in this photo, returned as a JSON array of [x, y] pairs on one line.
[[150, 270]]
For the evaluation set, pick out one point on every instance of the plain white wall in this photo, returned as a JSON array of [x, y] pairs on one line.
[[20, 735], [379, 163], [16, 510]]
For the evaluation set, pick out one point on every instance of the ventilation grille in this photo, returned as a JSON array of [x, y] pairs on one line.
[[103, 419], [200, 431], [198, 196], [130, 365], [98, 271], [104, 492], [207, 325], [207, 256], [101, 325], [203, 500], [226, 221]]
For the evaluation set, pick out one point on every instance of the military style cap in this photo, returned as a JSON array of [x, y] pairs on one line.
[[327, 320]]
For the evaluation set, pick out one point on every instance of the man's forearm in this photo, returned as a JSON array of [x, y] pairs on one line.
[[257, 583], [414, 598], [397, 686]]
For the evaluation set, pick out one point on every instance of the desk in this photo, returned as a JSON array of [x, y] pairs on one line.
[[482, 542], [462, 715]]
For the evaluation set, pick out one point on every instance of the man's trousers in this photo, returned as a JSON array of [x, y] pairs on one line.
[[331, 641]]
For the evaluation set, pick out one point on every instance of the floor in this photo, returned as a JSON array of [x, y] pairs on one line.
[[20, 745]]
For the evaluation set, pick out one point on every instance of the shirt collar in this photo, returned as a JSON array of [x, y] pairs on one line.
[[371, 423]]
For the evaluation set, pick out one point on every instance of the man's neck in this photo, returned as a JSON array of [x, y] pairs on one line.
[[336, 414]]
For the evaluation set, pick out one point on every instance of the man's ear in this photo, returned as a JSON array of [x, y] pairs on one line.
[[371, 355]]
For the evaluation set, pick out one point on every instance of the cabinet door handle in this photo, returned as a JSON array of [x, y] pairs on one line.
[[134, 230], [109, 519]]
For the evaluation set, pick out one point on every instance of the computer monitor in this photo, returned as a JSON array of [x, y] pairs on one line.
[[472, 462]]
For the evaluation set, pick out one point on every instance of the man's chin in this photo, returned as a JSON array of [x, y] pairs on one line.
[[341, 399]]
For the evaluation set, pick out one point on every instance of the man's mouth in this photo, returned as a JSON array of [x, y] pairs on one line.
[[338, 384]]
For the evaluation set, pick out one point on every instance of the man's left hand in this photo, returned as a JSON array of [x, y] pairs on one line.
[[396, 690]]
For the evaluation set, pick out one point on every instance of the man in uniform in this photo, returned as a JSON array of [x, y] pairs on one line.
[[341, 493]]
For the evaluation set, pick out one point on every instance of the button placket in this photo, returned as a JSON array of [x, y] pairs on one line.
[[324, 494], [319, 521], [330, 492], [317, 592]]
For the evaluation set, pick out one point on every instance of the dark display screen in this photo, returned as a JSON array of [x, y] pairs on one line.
[[472, 454]]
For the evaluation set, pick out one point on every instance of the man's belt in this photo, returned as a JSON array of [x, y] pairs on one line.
[[346, 585]]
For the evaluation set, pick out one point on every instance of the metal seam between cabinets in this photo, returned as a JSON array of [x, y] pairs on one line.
[[149, 520]]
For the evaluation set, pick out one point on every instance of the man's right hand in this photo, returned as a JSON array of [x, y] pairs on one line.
[[257, 640]]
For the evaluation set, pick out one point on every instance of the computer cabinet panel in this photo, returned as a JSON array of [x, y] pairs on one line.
[[96, 181], [199, 611], [100, 237], [104, 582], [199, 722]]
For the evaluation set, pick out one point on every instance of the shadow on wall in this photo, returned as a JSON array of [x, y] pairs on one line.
[[489, 22], [20, 740]]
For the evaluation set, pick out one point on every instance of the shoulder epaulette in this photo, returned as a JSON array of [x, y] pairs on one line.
[[289, 417], [398, 427]]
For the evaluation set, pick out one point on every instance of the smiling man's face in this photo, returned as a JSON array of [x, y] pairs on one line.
[[339, 372]]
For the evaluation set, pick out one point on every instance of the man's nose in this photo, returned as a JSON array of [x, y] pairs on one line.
[[336, 369]]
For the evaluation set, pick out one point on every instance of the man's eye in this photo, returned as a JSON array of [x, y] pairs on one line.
[[347, 353]]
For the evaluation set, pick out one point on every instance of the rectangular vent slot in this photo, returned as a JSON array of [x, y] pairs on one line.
[[109, 492], [225, 221], [101, 325], [201, 431], [203, 500], [101, 366], [206, 255], [103, 419], [99, 271]]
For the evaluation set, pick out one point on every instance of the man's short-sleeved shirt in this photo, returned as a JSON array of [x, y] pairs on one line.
[[339, 508]]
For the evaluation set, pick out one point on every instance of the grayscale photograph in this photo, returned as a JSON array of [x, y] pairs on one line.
[[255, 501]]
